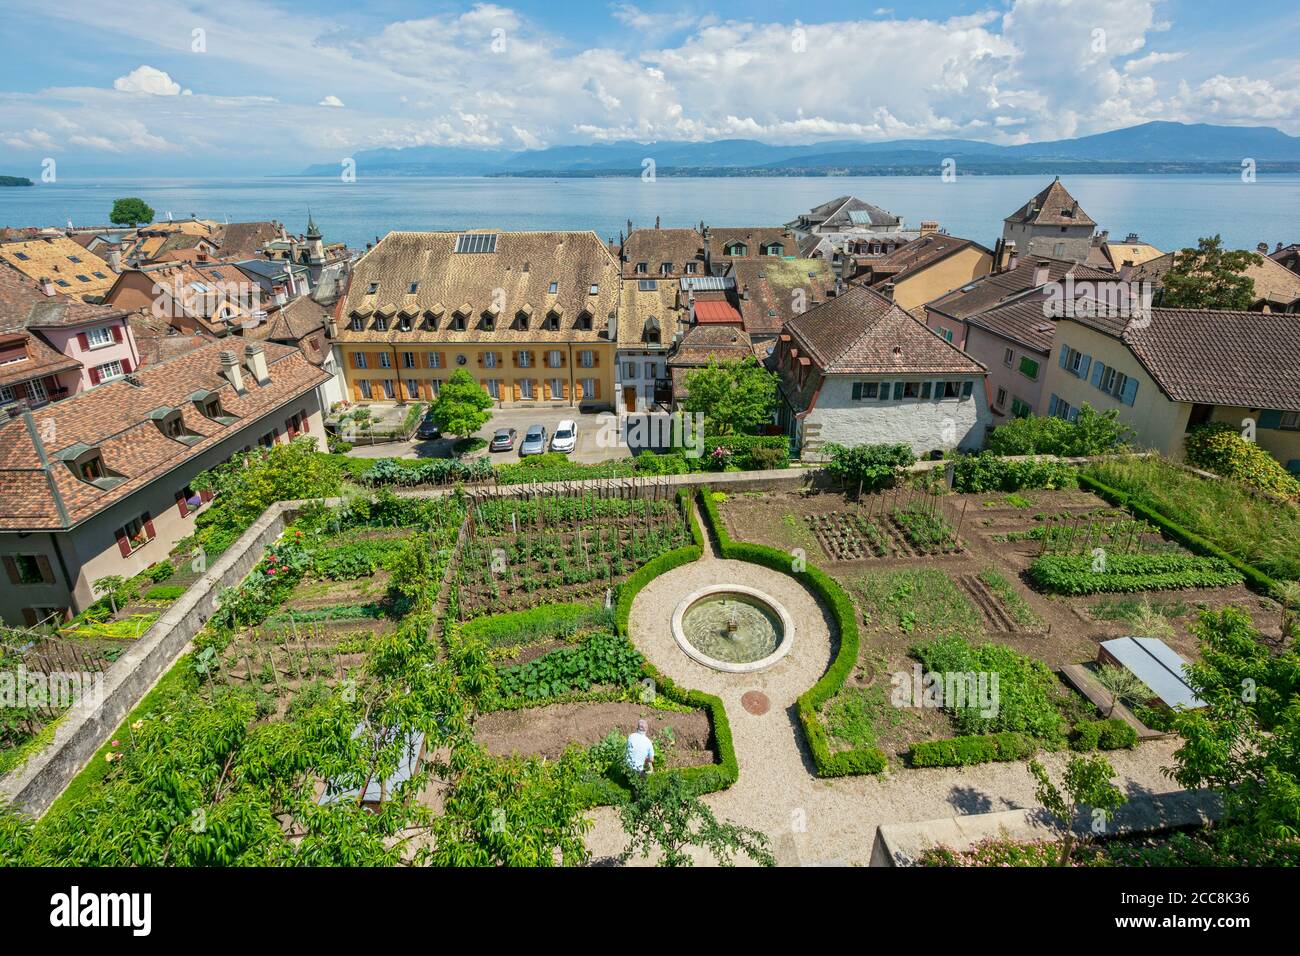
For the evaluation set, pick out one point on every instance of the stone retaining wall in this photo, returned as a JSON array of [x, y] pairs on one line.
[[901, 844]]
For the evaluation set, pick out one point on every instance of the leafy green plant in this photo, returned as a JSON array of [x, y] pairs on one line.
[[868, 467], [1078, 574], [665, 817], [1220, 448], [987, 472], [603, 659]]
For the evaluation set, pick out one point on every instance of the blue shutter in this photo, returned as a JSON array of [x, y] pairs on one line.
[[1083, 366], [1130, 391], [898, 391], [857, 391], [884, 391], [1051, 407], [1065, 354], [1270, 419], [1097, 371], [925, 389], [966, 389]]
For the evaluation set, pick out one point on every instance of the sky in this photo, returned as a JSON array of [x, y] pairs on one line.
[[253, 87]]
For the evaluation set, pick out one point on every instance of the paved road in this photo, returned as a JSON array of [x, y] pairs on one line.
[[593, 440]]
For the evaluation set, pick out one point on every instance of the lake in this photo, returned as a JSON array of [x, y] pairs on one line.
[[1171, 211]]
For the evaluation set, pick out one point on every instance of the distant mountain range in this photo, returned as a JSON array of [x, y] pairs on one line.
[[1149, 148]]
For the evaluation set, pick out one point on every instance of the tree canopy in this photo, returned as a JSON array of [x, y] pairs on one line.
[[130, 211], [735, 397], [1210, 277], [463, 406]]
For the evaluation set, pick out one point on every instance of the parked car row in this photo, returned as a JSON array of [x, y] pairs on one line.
[[565, 439]]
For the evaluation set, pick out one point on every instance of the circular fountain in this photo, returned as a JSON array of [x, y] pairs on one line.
[[733, 628]]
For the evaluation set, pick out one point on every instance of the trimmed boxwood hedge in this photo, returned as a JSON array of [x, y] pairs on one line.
[[829, 763], [710, 777], [1109, 734], [1256, 579], [965, 751]]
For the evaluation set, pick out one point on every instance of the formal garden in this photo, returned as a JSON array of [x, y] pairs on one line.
[[443, 668]]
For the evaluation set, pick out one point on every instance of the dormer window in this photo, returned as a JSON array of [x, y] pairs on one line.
[[552, 323], [381, 324], [88, 465], [642, 268], [665, 268], [584, 322], [458, 323], [209, 406], [357, 324], [691, 268], [737, 249], [489, 322], [774, 249], [403, 323], [650, 332]]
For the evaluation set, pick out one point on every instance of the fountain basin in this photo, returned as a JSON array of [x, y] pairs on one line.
[[732, 628]]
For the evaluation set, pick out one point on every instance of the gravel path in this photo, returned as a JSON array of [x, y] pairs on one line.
[[811, 821]]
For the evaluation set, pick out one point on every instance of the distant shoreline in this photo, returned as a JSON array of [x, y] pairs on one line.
[[680, 172], [15, 181]]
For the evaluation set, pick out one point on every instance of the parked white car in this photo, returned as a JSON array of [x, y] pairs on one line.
[[565, 438]]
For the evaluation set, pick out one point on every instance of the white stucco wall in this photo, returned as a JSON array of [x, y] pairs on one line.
[[925, 424]]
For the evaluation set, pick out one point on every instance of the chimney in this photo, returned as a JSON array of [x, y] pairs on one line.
[[708, 253], [613, 326], [928, 226], [1042, 273], [255, 359], [231, 371], [887, 290], [1013, 259], [1262, 248], [656, 222], [115, 259], [47, 287], [744, 292]]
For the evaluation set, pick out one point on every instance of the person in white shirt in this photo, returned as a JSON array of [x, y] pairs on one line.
[[640, 749]]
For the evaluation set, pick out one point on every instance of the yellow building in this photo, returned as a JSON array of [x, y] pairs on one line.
[[66, 265], [532, 316], [926, 268], [1173, 369]]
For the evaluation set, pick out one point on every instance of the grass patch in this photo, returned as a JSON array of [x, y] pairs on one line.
[[851, 716]]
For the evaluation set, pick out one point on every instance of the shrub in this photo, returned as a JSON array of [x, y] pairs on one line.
[[1110, 734], [160, 572], [1026, 691], [988, 472], [1075, 574], [965, 751], [746, 452], [868, 467], [165, 592], [1219, 447], [1092, 433]]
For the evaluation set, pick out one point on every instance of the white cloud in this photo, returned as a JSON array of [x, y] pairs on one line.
[[1144, 63], [331, 100], [145, 79]]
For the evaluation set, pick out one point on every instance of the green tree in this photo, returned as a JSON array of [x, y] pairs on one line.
[[462, 407], [130, 212], [1245, 742], [109, 586], [665, 813], [1086, 784], [1210, 277], [735, 397]]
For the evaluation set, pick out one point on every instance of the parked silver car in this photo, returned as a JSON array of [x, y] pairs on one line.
[[534, 442]]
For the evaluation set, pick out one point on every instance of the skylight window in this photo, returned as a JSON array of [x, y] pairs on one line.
[[477, 242], [555, 287]]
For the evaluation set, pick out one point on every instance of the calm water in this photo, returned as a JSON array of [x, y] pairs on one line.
[[1169, 211]]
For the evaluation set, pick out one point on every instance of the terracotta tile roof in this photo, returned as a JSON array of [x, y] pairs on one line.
[[73, 270], [1024, 321], [244, 240], [993, 289], [779, 289], [42, 358], [1054, 206], [862, 332], [654, 247], [919, 255], [515, 277], [300, 323], [23, 305], [657, 306], [754, 238], [115, 418], [1243, 359], [716, 312]]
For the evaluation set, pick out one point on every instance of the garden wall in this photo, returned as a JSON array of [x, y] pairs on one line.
[[33, 786], [901, 844]]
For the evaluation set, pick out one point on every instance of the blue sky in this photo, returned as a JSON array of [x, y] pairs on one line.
[[263, 86]]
